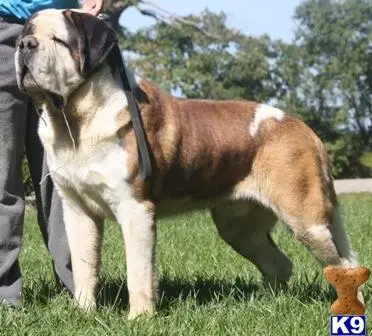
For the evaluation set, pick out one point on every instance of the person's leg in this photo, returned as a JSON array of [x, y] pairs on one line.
[[12, 129], [49, 207], [57, 242]]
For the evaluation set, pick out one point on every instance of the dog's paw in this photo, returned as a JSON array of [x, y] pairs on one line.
[[85, 302], [141, 305], [87, 306]]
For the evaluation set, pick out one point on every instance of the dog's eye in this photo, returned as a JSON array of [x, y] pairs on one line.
[[57, 40]]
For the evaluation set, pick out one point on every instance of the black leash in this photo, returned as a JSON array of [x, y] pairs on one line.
[[119, 70], [142, 143]]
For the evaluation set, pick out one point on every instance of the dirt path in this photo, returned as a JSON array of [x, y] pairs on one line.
[[353, 186]]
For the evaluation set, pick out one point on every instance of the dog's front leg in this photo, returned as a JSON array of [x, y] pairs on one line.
[[137, 222], [84, 235]]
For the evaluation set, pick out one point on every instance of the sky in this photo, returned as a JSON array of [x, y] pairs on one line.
[[273, 17]]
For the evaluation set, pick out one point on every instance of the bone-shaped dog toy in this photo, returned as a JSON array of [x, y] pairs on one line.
[[346, 282]]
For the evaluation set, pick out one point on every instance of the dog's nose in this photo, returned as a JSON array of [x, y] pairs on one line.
[[28, 42]]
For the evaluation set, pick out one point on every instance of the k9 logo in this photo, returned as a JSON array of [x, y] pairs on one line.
[[348, 325]]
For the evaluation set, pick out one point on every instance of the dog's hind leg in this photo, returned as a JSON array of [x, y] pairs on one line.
[[326, 239], [313, 217], [319, 227], [311, 214], [246, 227]]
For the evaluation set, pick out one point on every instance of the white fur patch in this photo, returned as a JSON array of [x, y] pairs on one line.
[[97, 172], [319, 232], [262, 113]]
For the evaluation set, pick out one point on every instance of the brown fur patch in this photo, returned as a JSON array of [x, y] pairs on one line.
[[200, 148]]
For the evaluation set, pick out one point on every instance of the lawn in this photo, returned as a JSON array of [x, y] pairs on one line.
[[205, 287]]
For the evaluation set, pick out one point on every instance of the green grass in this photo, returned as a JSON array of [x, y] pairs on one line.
[[205, 287]]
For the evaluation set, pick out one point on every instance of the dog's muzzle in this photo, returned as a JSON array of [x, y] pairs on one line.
[[25, 49]]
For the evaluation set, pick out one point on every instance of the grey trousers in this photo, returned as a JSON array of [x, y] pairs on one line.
[[18, 131]]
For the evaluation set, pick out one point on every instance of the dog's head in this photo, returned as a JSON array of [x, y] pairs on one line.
[[59, 49]]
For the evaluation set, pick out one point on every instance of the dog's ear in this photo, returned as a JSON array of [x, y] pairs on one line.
[[91, 37]]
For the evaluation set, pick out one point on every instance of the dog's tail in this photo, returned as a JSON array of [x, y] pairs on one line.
[[341, 239]]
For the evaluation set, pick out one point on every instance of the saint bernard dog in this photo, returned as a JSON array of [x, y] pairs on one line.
[[249, 163]]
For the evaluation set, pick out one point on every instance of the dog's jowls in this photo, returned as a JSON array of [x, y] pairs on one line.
[[248, 162]]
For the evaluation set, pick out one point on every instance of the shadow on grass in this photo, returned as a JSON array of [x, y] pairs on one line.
[[43, 291], [113, 292]]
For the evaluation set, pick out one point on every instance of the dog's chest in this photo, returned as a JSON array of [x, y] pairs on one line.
[[96, 174]]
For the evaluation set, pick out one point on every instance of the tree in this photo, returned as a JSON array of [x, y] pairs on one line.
[[184, 60], [149, 8], [327, 73]]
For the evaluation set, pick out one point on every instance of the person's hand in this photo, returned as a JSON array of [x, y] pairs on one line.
[[92, 6]]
